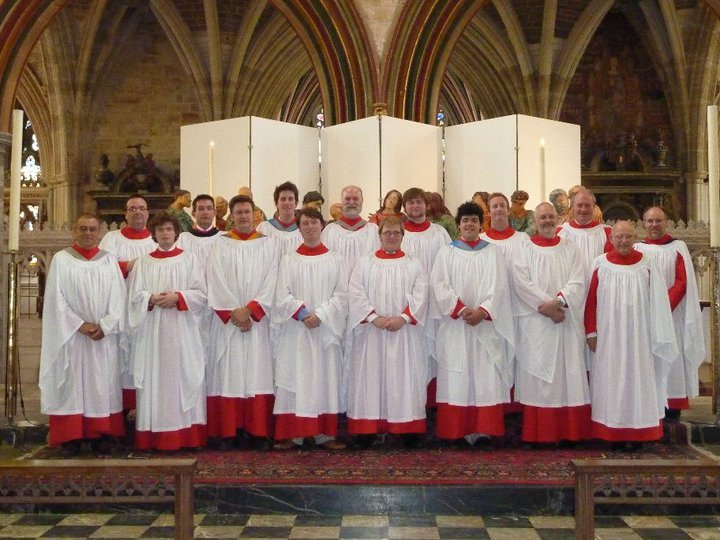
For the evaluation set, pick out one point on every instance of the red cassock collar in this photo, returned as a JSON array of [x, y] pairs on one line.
[[500, 235], [545, 242], [416, 227], [575, 225], [664, 239], [382, 254], [631, 258], [312, 251], [160, 254], [134, 234], [87, 253]]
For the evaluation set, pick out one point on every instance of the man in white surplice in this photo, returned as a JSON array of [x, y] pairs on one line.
[[387, 362], [551, 380], [241, 275], [675, 264], [167, 300], [476, 339], [351, 236], [629, 326], [83, 318], [200, 238], [283, 227], [311, 310], [591, 237], [422, 240]]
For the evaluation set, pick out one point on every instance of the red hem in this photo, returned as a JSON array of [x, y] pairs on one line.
[[71, 427], [601, 431], [553, 424], [129, 399], [456, 421], [194, 436], [513, 407], [364, 426], [431, 402], [291, 426], [678, 403], [225, 415]]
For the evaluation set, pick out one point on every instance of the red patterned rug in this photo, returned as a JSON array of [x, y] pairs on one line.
[[395, 465]]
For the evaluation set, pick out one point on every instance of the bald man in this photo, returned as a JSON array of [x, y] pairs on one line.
[[675, 264], [629, 327]]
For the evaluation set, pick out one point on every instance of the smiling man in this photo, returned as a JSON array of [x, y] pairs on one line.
[[83, 316], [284, 226], [592, 237], [675, 264], [629, 327]]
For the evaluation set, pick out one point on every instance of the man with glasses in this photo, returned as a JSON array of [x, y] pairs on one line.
[[83, 316], [127, 244]]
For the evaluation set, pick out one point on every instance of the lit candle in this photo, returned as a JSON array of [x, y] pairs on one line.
[[211, 167], [542, 170], [714, 182], [15, 166]]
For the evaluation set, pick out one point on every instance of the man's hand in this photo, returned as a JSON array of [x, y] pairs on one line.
[[394, 324], [592, 343], [91, 330], [240, 315], [165, 300], [311, 321], [473, 317], [381, 322]]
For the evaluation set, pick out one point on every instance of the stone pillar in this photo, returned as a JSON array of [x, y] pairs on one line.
[[697, 196], [5, 144]]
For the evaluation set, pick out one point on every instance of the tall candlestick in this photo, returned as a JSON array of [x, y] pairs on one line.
[[15, 166], [211, 168], [542, 170], [714, 181]]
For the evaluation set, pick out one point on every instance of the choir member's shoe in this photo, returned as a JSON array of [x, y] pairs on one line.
[[260, 443], [413, 440], [672, 415], [70, 448], [287, 444], [333, 445], [363, 442]]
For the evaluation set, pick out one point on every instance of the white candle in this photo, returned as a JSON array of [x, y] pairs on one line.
[[15, 166], [714, 182], [542, 170], [211, 168]]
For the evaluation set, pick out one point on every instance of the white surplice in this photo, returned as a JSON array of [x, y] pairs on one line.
[[287, 240], [239, 272], [474, 362], [387, 370], [683, 380], [635, 345], [351, 245], [590, 240], [79, 375], [308, 365], [551, 357], [167, 349], [199, 246]]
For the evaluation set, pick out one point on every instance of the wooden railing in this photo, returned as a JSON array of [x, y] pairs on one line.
[[103, 481], [635, 482]]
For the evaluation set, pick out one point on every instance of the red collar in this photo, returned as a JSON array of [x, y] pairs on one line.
[[664, 239], [631, 258], [134, 234], [500, 235], [417, 227], [350, 222], [575, 225], [87, 253], [545, 242], [288, 224], [473, 243], [382, 254], [311, 251], [160, 254]]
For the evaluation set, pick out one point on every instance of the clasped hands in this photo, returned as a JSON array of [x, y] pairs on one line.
[[552, 310], [391, 324], [473, 317], [92, 330], [164, 299], [242, 318]]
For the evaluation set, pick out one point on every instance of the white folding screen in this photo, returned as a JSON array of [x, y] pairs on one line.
[[249, 151], [480, 156]]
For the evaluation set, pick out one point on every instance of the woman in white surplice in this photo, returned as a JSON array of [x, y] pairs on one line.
[[386, 343], [167, 299]]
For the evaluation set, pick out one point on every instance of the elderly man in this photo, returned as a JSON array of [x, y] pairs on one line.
[[182, 201], [387, 379], [283, 227], [551, 382], [241, 276], [629, 326], [351, 236], [310, 310], [127, 244], [475, 340], [592, 237], [675, 264], [423, 240], [83, 317], [167, 300]]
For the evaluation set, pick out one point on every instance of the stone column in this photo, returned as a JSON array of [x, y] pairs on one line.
[[697, 196], [5, 144]]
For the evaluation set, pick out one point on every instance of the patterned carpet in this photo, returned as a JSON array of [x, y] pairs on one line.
[[393, 465]]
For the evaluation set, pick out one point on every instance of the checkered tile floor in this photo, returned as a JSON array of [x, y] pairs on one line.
[[290, 526]]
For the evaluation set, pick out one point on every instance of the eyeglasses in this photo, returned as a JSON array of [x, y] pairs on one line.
[[83, 228], [391, 233], [135, 209]]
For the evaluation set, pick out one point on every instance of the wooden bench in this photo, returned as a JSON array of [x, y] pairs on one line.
[[642, 481], [103, 481]]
